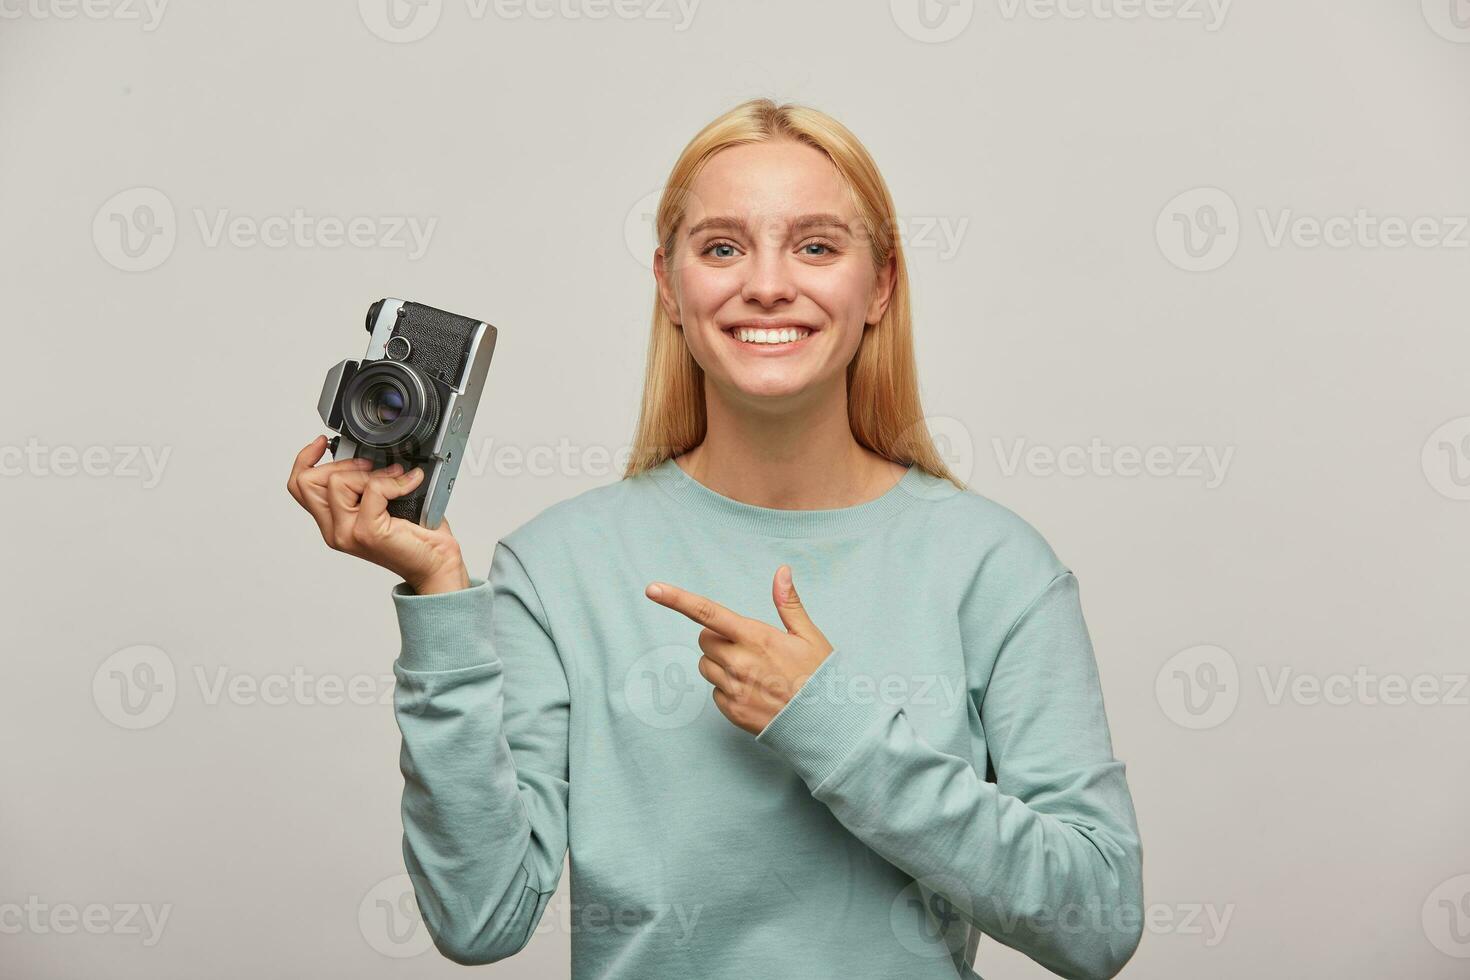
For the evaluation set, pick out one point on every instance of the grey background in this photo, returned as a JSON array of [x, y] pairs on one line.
[[1283, 836]]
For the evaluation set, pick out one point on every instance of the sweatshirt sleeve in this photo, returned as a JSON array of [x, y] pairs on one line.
[[1047, 859], [482, 701]]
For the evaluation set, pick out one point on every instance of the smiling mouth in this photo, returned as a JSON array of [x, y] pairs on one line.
[[763, 337]]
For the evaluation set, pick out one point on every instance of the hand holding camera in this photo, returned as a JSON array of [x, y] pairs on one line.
[[349, 499], [403, 417]]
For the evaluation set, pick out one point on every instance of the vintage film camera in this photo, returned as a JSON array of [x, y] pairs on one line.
[[411, 399]]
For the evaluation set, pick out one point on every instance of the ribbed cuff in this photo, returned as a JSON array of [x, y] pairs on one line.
[[822, 724], [445, 630]]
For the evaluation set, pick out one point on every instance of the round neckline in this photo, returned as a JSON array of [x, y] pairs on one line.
[[781, 522]]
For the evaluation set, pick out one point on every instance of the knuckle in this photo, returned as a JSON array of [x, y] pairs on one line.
[[704, 610], [772, 685]]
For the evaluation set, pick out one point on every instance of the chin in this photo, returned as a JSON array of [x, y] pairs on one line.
[[771, 388]]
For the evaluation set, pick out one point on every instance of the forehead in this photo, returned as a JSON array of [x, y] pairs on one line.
[[768, 181]]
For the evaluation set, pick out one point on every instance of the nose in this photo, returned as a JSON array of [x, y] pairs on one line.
[[769, 279]]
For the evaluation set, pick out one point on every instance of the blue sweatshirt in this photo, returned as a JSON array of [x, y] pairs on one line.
[[946, 772]]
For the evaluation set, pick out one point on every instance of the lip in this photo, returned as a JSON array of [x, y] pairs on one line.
[[768, 350]]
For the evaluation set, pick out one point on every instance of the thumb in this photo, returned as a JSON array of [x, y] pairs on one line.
[[788, 604]]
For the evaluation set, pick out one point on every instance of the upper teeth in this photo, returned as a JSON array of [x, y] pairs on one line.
[[784, 335]]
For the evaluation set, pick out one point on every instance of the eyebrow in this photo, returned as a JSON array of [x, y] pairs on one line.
[[799, 224]]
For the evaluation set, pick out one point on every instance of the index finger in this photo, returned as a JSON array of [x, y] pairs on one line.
[[704, 611], [306, 461]]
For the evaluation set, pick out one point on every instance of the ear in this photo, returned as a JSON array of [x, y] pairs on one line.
[[883, 289], [666, 293]]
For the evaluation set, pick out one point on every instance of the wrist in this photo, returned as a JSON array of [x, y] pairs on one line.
[[447, 580]]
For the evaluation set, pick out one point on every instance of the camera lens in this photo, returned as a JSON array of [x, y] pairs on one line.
[[384, 404], [390, 405]]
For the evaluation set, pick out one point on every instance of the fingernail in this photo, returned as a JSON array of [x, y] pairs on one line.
[[654, 591], [396, 468]]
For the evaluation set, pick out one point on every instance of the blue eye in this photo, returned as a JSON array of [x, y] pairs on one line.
[[714, 245]]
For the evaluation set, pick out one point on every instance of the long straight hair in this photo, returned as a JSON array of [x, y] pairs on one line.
[[883, 407]]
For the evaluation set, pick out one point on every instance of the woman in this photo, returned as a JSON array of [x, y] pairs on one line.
[[756, 781]]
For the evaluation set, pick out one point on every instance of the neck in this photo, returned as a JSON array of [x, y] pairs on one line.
[[799, 455]]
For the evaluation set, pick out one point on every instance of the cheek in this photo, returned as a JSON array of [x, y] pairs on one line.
[[703, 290], [842, 293]]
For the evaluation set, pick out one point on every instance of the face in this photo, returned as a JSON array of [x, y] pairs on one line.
[[770, 275]]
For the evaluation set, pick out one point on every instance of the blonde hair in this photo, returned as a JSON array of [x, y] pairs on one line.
[[883, 407]]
